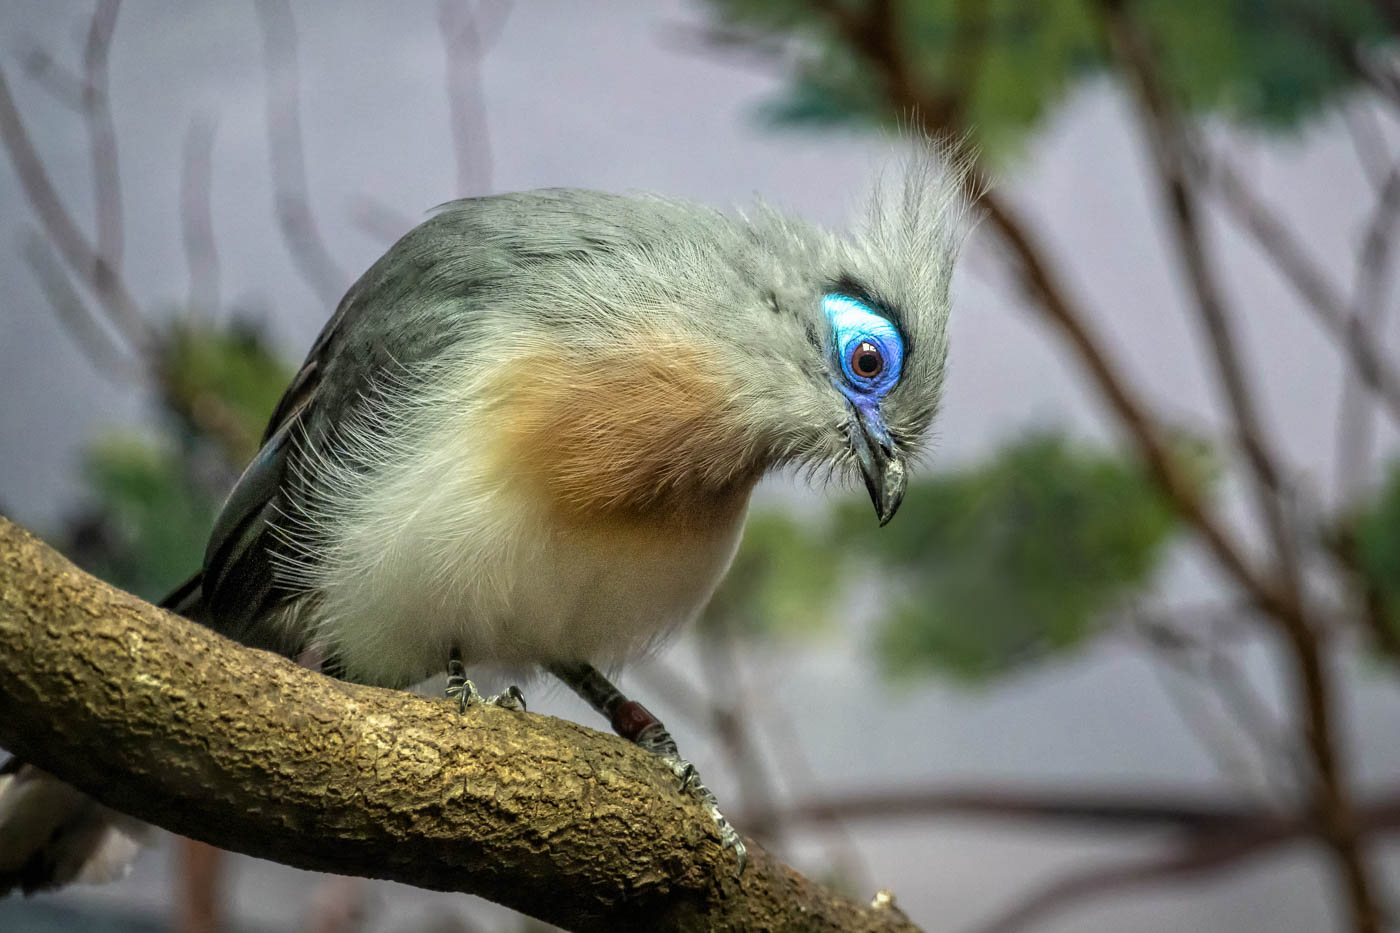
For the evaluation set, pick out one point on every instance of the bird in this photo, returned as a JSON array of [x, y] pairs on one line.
[[528, 436]]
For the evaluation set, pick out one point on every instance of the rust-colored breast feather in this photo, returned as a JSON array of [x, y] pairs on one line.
[[646, 428]]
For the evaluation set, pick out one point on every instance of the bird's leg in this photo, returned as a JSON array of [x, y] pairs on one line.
[[462, 690], [635, 722]]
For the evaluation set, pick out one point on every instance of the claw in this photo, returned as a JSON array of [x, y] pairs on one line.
[[690, 782], [510, 698], [462, 690]]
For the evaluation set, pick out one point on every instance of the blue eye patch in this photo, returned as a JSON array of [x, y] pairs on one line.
[[867, 346]]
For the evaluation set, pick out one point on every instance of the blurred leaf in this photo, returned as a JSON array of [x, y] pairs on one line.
[[1014, 559], [151, 501], [147, 528], [1005, 64], [1260, 62], [784, 580], [1378, 546], [223, 383]]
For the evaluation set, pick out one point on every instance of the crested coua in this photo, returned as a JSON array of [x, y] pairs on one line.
[[528, 436]]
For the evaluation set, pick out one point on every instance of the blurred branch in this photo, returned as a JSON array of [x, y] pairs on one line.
[[64, 85], [89, 266], [1341, 828], [1307, 278], [468, 32], [769, 55], [1389, 11], [1204, 855], [197, 215], [199, 870], [170, 722], [72, 312], [1169, 148], [1374, 265], [102, 135], [378, 220], [1196, 815], [870, 36], [729, 719], [1339, 822], [299, 229], [1206, 662], [1367, 141], [1318, 26]]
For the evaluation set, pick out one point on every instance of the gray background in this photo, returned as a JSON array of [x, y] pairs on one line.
[[606, 96]]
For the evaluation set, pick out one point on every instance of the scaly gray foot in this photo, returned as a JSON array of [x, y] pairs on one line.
[[462, 690], [658, 741]]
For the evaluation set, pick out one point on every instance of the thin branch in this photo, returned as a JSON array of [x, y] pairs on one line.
[[1169, 147], [378, 220], [102, 135], [843, 853], [872, 38], [87, 265], [106, 356], [1367, 141], [1079, 808], [468, 31], [299, 229], [61, 83], [197, 216], [1218, 733], [1307, 278], [1331, 791], [1374, 265], [729, 718], [1205, 857], [166, 720]]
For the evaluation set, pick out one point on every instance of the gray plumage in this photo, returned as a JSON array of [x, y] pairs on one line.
[[529, 432]]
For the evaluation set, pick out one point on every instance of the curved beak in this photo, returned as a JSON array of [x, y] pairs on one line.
[[880, 463]]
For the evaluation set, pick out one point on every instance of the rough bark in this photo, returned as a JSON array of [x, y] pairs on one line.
[[168, 721]]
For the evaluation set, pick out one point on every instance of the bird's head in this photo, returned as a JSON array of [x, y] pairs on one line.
[[838, 343], [662, 348]]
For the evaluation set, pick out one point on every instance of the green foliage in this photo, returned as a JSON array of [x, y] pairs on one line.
[[1008, 561], [1378, 546], [147, 529], [986, 568], [151, 500], [1270, 64], [784, 580], [1005, 64], [223, 384]]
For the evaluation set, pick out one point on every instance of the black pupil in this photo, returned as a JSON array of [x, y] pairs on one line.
[[866, 360]]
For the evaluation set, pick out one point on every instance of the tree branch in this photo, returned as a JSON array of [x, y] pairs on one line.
[[172, 723], [1307, 278], [1170, 148], [197, 215], [57, 221], [1057, 305], [102, 135], [468, 32], [300, 232], [1313, 686]]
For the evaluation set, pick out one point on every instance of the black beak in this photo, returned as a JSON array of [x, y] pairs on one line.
[[880, 464]]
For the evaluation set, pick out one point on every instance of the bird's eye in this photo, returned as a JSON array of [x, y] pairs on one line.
[[866, 360], [866, 345]]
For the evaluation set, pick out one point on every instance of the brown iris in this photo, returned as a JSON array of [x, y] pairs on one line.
[[866, 360]]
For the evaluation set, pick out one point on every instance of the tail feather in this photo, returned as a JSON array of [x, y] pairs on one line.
[[187, 598], [52, 834]]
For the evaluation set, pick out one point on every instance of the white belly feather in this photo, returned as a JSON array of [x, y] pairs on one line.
[[447, 553]]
